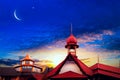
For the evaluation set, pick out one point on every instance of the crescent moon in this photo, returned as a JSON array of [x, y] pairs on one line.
[[16, 16]]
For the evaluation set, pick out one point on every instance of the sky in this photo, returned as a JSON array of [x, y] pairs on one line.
[[41, 27]]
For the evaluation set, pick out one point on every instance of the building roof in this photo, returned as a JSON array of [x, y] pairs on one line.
[[69, 74], [8, 71], [27, 57], [86, 70], [106, 70]]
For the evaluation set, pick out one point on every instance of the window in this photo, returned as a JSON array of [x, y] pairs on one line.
[[26, 62], [72, 50], [31, 62], [23, 62], [27, 68]]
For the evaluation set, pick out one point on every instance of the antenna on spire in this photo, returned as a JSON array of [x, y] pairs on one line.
[[98, 59], [119, 63], [71, 28]]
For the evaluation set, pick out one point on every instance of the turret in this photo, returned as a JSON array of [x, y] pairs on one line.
[[71, 44]]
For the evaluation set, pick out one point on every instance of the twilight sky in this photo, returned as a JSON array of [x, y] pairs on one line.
[[45, 25]]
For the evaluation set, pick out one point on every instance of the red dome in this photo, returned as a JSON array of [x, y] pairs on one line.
[[71, 40]]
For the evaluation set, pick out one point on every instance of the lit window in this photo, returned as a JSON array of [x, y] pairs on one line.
[[31, 62], [23, 62], [27, 62], [72, 50]]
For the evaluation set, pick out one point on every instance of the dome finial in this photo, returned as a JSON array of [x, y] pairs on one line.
[[71, 39]]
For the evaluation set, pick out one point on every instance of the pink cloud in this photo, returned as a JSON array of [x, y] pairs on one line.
[[107, 32], [92, 36]]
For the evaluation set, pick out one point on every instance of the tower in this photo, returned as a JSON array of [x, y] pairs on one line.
[[71, 68], [71, 44], [27, 64]]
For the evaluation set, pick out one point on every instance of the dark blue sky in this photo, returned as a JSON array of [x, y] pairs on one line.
[[45, 21]]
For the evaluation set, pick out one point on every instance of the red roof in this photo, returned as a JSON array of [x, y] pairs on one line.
[[85, 69], [106, 70], [71, 39], [69, 74]]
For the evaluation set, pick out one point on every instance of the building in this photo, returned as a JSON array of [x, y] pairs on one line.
[[27, 70], [105, 72], [71, 68], [27, 65]]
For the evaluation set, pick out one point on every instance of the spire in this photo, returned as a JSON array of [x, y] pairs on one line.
[[119, 63], [98, 58], [27, 57], [71, 43], [71, 28], [71, 39]]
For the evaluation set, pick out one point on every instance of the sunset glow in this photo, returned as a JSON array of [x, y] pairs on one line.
[[88, 53], [40, 28]]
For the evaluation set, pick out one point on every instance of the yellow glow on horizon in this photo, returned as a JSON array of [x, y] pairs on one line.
[[57, 55]]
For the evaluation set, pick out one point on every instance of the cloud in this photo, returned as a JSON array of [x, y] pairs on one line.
[[94, 41], [91, 44], [8, 62]]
